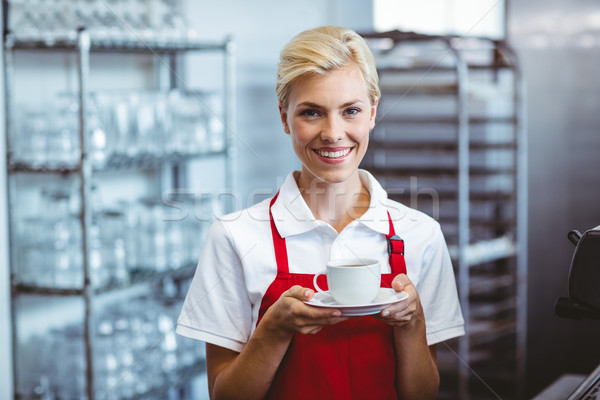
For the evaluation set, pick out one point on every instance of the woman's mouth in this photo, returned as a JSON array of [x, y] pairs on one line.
[[333, 156]]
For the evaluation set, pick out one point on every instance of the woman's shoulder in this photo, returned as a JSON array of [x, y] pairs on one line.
[[398, 211], [410, 217], [247, 221]]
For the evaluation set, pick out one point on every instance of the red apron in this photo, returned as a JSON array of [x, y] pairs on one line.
[[353, 359]]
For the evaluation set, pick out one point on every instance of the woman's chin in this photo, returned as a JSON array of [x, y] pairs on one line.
[[332, 176]]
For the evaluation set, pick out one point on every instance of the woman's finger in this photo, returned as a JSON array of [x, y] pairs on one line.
[[401, 282], [403, 312], [297, 295], [300, 293]]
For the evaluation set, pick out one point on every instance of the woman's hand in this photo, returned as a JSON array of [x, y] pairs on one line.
[[404, 312], [250, 372], [289, 314], [415, 360]]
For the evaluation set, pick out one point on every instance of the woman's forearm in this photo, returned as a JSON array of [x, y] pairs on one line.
[[250, 374], [417, 376]]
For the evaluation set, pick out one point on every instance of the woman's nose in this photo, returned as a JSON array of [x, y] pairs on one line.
[[332, 129]]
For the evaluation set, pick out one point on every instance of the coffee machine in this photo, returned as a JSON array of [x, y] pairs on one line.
[[584, 278], [583, 301]]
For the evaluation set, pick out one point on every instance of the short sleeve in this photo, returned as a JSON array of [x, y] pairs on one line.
[[217, 308], [438, 294]]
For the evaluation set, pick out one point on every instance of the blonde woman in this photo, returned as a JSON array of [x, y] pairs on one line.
[[247, 298]]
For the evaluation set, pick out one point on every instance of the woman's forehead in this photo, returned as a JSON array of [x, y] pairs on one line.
[[341, 84]]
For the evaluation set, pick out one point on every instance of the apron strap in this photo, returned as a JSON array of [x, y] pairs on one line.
[[395, 247], [278, 244], [395, 250]]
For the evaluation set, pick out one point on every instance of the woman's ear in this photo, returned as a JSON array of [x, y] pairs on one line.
[[283, 115], [373, 113]]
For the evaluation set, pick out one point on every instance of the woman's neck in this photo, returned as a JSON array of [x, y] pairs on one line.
[[338, 204]]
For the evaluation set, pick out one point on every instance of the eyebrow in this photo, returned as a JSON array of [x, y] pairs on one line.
[[315, 105]]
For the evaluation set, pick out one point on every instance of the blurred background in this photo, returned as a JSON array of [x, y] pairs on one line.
[[488, 122]]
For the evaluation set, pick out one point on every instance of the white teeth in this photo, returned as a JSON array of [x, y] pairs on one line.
[[333, 154]]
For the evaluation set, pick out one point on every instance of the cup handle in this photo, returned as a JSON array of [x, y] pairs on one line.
[[315, 281]]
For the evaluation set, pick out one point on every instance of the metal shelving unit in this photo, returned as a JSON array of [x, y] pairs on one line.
[[450, 140], [170, 163]]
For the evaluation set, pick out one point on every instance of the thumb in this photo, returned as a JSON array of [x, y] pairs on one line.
[[301, 293], [400, 282]]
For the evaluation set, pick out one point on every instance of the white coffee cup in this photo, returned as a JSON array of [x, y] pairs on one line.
[[352, 281]]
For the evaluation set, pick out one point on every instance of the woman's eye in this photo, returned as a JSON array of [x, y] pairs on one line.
[[352, 111], [310, 113]]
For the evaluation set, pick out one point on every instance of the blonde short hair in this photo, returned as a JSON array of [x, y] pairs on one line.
[[320, 50]]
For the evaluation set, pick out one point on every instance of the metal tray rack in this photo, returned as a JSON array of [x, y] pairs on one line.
[[450, 140]]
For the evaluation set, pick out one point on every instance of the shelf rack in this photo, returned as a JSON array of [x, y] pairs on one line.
[[83, 46], [439, 135], [119, 163]]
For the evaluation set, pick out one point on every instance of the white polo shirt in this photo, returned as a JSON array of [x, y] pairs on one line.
[[237, 263]]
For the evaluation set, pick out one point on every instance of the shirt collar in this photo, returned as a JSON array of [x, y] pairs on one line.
[[376, 217], [292, 215], [290, 212]]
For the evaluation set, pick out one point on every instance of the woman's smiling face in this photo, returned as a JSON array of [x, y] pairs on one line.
[[329, 118]]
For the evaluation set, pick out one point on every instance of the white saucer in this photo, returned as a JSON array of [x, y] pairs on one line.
[[384, 298]]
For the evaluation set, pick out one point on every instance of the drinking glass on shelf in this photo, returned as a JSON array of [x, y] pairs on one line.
[[70, 372], [176, 142], [134, 144], [47, 139], [156, 11], [97, 135], [40, 376], [65, 25], [104, 360], [48, 241], [65, 252], [111, 228], [111, 113], [177, 215], [63, 242], [27, 26], [215, 122], [100, 275], [196, 231], [162, 121], [108, 14], [129, 18], [31, 375], [202, 211], [145, 29], [131, 233], [188, 123], [108, 20], [55, 21], [69, 125], [63, 147], [146, 124], [174, 27], [98, 27], [152, 249], [175, 243], [34, 139], [31, 253], [123, 124], [185, 223]]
